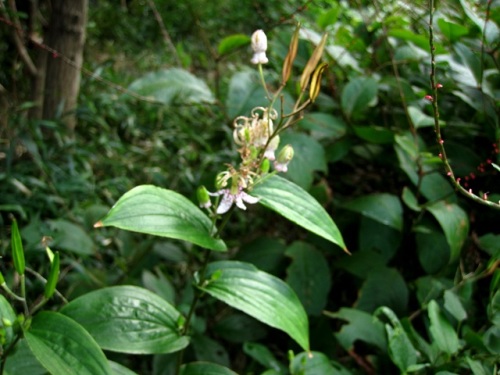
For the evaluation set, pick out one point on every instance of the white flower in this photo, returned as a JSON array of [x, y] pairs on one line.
[[259, 46], [228, 199], [271, 148]]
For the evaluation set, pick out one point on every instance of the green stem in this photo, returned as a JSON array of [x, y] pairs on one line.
[[23, 295], [263, 81], [11, 293], [201, 280]]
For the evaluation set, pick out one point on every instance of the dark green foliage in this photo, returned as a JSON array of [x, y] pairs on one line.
[[419, 294]]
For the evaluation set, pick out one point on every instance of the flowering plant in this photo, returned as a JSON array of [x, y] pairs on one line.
[[157, 211]]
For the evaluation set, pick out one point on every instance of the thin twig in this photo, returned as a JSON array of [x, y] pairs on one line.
[[437, 127], [18, 36], [164, 32]]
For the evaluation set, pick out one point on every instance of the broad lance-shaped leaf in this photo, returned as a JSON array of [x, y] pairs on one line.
[[129, 319], [260, 295], [297, 205], [161, 212], [454, 222], [64, 347]]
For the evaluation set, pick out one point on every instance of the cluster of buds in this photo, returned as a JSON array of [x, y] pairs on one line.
[[257, 136]]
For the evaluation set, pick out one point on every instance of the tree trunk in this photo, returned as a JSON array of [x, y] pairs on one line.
[[66, 34]]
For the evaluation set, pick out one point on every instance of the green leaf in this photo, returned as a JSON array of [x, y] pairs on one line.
[[309, 276], [491, 30], [17, 249], [128, 319], [420, 41], [118, 369], [432, 248], [471, 61], [239, 328], [384, 208], [207, 349], [494, 309], [315, 363], [455, 224], [265, 253], [383, 287], [378, 237], [360, 326], [401, 350], [410, 199], [205, 368], [476, 367], [159, 285], [260, 295], [374, 134], [323, 126], [264, 356], [161, 212], [420, 119], [22, 361], [63, 347], [244, 93], [7, 321], [329, 17], [491, 339], [298, 206], [361, 263], [358, 95], [232, 43], [441, 330], [309, 156], [451, 30], [454, 306], [170, 85], [70, 237]]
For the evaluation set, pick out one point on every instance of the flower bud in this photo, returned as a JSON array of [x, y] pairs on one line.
[[50, 287], [203, 197], [284, 157], [259, 47], [264, 166]]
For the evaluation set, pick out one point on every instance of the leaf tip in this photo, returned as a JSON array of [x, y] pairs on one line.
[[346, 250]]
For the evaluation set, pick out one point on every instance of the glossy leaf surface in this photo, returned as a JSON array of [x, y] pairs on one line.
[[161, 212], [260, 295], [297, 205], [128, 319], [64, 347]]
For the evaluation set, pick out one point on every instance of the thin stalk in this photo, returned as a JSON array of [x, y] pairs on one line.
[[437, 127]]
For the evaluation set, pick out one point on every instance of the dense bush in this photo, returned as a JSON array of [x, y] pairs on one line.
[[400, 148]]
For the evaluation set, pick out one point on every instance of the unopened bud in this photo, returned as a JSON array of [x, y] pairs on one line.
[[284, 157], [6, 322], [316, 81], [50, 287], [429, 98], [203, 197], [265, 165], [259, 47], [290, 57]]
